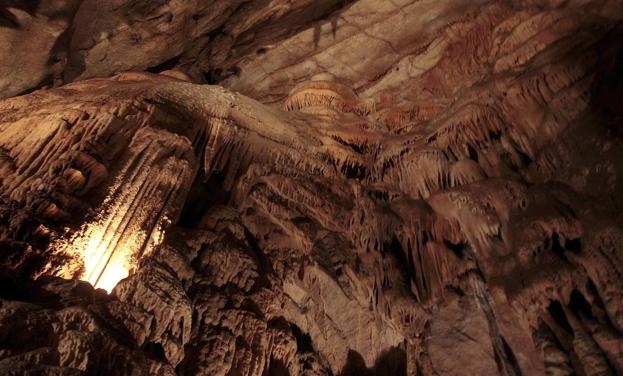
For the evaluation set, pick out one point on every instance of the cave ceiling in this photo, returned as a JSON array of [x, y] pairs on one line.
[[311, 187]]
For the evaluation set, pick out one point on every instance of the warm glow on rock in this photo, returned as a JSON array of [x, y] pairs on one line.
[[107, 251], [104, 264], [131, 219], [105, 254], [103, 259], [108, 277]]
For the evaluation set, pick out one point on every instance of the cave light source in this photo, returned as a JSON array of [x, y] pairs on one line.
[[105, 265], [106, 250]]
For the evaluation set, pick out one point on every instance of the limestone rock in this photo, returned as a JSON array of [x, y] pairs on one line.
[[375, 187]]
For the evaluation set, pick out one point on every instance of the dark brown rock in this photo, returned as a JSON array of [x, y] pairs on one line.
[[378, 187]]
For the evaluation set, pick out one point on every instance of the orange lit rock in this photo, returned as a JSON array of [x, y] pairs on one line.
[[373, 188]]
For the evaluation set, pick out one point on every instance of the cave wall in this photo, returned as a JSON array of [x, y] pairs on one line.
[[311, 187]]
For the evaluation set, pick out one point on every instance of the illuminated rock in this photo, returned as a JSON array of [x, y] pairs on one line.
[[378, 187]]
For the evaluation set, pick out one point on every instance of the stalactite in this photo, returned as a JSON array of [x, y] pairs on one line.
[[415, 187]]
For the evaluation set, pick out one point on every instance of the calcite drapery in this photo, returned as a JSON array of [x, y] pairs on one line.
[[418, 187]]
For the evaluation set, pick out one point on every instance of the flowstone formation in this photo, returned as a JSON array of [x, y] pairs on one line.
[[311, 188]]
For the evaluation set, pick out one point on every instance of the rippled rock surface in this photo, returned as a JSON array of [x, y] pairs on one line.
[[311, 188]]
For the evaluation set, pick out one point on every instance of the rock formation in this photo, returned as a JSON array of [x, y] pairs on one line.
[[370, 187]]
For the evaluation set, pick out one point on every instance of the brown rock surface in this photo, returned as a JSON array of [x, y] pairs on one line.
[[375, 188]]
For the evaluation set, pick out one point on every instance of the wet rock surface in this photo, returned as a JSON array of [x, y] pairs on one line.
[[373, 188]]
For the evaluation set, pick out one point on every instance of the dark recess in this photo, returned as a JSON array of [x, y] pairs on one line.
[[165, 66], [202, 196], [390, 362]]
